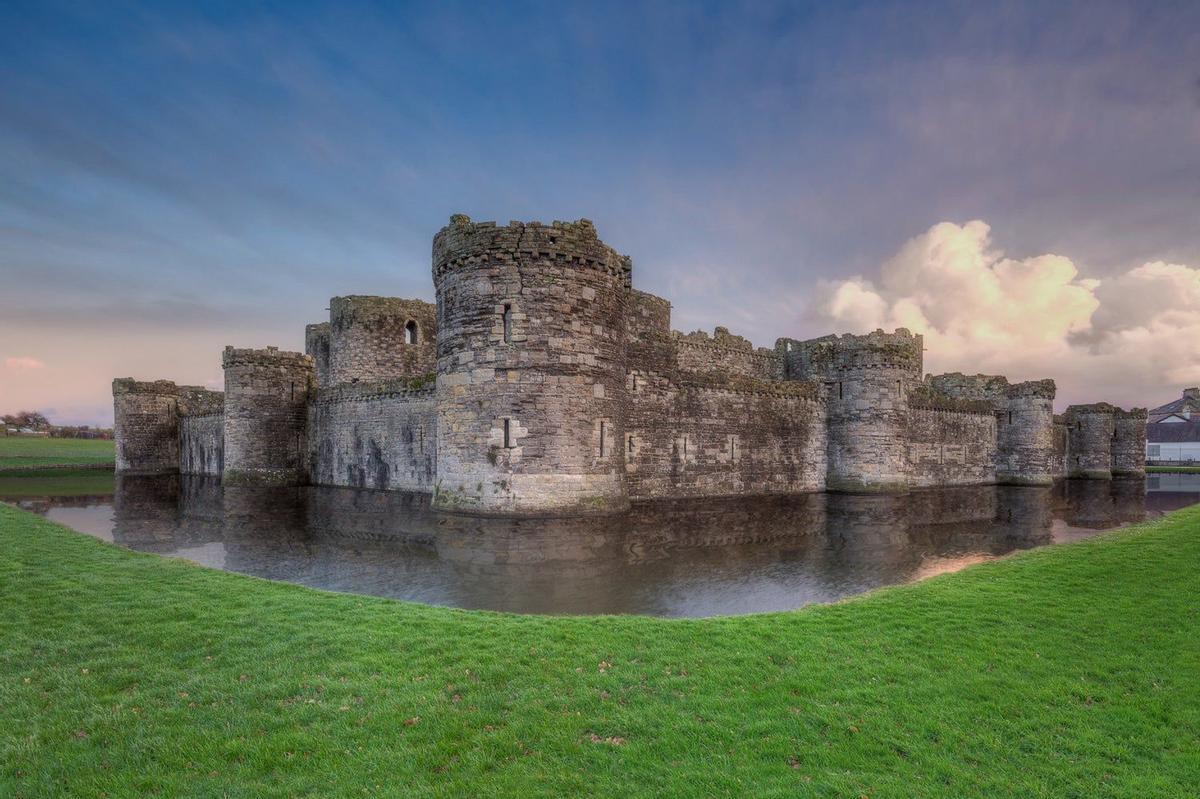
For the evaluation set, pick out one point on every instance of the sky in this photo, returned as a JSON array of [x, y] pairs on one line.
[[1020, 182]]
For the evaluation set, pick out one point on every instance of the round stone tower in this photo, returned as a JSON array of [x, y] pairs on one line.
[[146, 426], [1025, 434], [1090, 433], [531, 374], [867, 379], [380, 338], [266, 396], [1129, 443]]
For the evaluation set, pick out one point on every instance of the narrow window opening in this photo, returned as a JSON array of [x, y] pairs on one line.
[[839, 390], [293, 391], [507, 323], [508, 434], [603, 435], [410, 332], [629, 445], [897, 389], [1010, 417]]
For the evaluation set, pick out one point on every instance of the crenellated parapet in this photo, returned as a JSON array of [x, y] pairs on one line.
[[569, 244], [200, 401], [724, 351], [832, 357]]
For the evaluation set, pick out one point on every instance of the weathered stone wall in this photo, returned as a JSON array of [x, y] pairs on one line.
[[725, 352], [146, 425], [720, 435], [368, 338], [316, 346], [1024, 451], [374, 435], [867, 381], [1129, 443], [202, 444], [649, 316], [552, 375], [1062, 437], [950, 446], [1090, 430], [266, 397]]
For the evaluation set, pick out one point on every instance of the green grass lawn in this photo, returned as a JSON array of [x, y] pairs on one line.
[[1069, 671], [1170, 469], [21, 452]]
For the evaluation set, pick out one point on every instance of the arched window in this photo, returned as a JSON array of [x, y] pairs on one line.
[[410, 332]]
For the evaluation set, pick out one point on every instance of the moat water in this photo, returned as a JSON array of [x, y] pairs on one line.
[[695, 558]]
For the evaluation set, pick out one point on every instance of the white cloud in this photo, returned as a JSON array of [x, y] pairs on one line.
[[23, 363], [1127, 339]]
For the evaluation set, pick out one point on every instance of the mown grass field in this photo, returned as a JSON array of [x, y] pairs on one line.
[[20, 453], [55, 482], [1173, 469], [1068, 671]]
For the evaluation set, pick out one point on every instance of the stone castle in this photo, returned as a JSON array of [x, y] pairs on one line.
[[542, 383]]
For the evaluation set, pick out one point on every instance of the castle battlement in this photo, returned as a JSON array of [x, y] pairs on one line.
[[542, 383]]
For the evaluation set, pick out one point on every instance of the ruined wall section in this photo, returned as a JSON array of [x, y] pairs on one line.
[[1062, 438], [1090, 430], [725, 435], [1024, 450], [374, 435], [725, 352], [532, 327], [368, 338], [266, 397], [316, 346], [201, 431], [1129, 443], [146, 425], [867, 381]]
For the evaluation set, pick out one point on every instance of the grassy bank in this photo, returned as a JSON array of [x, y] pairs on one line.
[[19, 453], [1173, 469], [1070, 671]]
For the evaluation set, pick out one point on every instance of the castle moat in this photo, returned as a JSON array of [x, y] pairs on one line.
[[699, 558]]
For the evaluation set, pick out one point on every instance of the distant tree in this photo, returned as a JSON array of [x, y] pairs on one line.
[[34, 420]]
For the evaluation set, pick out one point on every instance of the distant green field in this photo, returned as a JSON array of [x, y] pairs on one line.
[[1173, 469], [31, 452]]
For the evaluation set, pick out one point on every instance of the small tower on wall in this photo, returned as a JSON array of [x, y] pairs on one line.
[[146, 426], [531, 396], [266, 397]]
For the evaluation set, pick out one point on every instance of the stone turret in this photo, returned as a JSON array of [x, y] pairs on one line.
[[867, 380], [316, 346], [531, 396], [146, 425], [1090, 430], [1129, 443], [266, 396], [380, 338]]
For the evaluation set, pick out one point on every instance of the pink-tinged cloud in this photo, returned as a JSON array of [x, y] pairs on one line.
[[1127, 339], [23, 363]]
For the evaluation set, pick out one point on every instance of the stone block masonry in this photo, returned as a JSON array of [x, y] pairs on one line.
[[542, 383]]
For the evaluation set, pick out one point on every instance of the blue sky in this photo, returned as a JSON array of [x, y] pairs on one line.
[[176, 177]]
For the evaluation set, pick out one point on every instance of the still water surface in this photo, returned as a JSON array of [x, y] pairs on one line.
[[695, 558]]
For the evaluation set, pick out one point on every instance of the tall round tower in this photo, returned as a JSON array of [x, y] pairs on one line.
[[867, 380], [1129, 443], [1090, 433], [380, 338], [531, 372], [146, 426], [1025, 434], [266, 396]]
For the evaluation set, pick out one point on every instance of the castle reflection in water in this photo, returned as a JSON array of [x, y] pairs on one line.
[[670, 559]]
